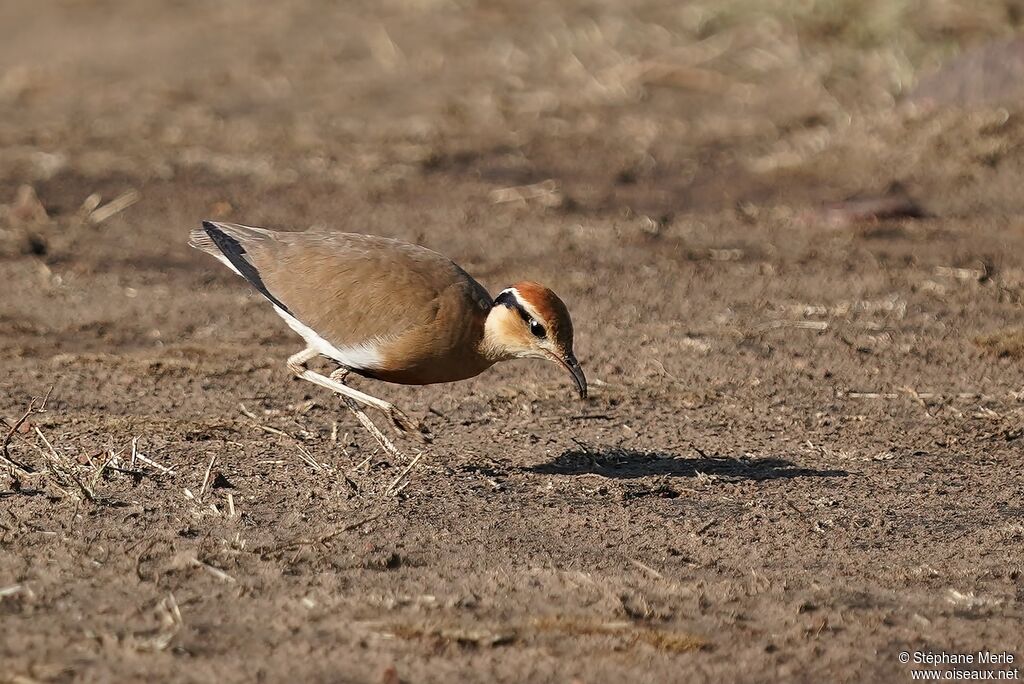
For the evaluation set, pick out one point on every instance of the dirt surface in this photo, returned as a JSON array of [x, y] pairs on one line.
[[802, 450]]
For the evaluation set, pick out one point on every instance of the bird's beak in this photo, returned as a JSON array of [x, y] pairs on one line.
[[573, 366]]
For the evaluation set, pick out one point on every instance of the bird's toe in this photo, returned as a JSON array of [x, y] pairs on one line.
[[424, 434], [402, 422]]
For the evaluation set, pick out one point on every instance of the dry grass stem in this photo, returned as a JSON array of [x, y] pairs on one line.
[[364, 462], [646, 568], [798, 325], [13, 431], [247, 413], [304, 454], [546, 193], [114, 206], [213, 570], [171, 623], [391, 489], [11, 462], [206, 477], [63, 469], [10, 590], [153, 464], [89, 205], [308, 459]]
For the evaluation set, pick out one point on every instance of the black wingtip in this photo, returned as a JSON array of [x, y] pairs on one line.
[[233, 250]]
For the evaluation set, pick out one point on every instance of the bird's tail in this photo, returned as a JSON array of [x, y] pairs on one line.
[[228, 242], [203, 238]]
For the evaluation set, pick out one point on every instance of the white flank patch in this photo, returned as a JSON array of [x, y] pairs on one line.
[[365, 356]]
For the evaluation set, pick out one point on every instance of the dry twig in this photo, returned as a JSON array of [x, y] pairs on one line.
[[13, 464], [392, 488], [206, 478]]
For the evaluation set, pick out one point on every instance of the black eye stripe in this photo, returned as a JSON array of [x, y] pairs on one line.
[[508, 299]]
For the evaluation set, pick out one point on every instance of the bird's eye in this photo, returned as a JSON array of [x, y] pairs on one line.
[[537, 329]]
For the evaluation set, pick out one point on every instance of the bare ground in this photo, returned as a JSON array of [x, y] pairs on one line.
[[802, 450]]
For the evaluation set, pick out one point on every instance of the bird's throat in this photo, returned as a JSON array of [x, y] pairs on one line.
[[495, 343]]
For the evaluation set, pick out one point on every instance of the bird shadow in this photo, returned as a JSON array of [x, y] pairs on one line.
[[630, 464]]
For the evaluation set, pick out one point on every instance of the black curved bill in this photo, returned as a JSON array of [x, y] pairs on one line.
[[578, 377]]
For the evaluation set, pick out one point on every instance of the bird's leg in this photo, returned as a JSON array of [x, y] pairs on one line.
[[401, 421], [297, 362], [339, 375], [297, 365], [381, 438]]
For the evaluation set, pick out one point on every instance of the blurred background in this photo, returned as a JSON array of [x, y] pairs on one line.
[[503, 133], [791, 236], [645, 139], [653, 107]]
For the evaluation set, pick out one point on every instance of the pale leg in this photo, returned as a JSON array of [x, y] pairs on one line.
[[297, 364], [339, 376]]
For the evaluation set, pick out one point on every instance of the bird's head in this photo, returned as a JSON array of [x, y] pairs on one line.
[[529, 321]]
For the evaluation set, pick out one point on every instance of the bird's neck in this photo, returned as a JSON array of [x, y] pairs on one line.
[[492, 346]]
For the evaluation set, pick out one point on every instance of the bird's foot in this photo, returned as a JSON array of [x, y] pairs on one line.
[[409, 426], [365, 421]]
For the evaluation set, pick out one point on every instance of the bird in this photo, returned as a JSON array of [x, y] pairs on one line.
[[391, 311]]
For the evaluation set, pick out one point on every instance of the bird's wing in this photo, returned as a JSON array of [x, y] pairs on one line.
[[350, 289]]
